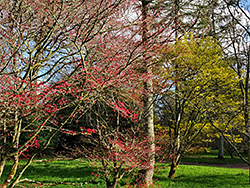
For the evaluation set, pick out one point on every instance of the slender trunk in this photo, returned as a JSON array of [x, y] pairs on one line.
[[177, 149], [148, 97], [15, 143], [177, 135], [2, 154], [174, 165], [246, 109], [22, 171], [178, 110], [248, 133], [12, 173], [221, 148], [115, 181], [150, 172], [230, 152], [2, 164], [112, 184]]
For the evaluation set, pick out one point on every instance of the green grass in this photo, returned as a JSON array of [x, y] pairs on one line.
[[76, 171], [211, 157], [70, 171], [203, 176]]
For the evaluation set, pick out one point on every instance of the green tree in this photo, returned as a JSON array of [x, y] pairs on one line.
[[200, 82], [236, 49]]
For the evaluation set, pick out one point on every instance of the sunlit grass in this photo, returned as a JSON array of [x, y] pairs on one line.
[[203, 176], [81, 172]]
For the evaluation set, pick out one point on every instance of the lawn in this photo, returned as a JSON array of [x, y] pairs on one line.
[[211, 157], [203, 176], [80, 172]]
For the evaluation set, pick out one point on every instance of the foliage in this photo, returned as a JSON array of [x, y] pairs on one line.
[[201, 83], [114, 143], [85, 69], [51, 74]]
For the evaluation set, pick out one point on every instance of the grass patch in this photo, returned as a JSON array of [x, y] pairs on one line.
[[70, 171], [203, 176], [211, 157], [76, 171]]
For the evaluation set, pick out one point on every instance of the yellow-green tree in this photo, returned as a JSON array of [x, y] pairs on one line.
[[201, 88]]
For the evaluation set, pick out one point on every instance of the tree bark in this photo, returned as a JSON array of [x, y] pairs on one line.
[[246, 108], [148, 97], [2, 164], [2, 154], [173, 167], [221, 148], [175, 162], [178, 110], [12, 173]]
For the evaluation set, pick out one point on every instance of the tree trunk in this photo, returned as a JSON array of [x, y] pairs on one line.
[[2, 164], [2, 154], [148, 97], [13, 171], [15, 143], [245, 91], [112, 184], [221, 148], [246, 109], [115, 182], [174, 165], [178, 109]]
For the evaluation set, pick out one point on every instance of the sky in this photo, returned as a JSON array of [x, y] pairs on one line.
[[246, 4]]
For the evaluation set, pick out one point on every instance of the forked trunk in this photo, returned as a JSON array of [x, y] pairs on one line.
[[15, 143], [12, 173], [174, 166], [171, 174]]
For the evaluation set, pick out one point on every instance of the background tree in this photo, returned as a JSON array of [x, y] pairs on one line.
[[204, 83], [236, 49]]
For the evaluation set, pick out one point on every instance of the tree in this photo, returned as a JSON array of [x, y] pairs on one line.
[[148, 96], [204, 82], [70, 55], [237, 50], [40, 42]]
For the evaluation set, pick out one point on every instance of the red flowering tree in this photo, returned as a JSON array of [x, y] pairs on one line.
[[114, 142], [41, 43], [69, 56]]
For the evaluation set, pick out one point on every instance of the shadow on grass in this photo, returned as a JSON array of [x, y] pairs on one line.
[[208, 181], [212, 160], [211, 157]]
